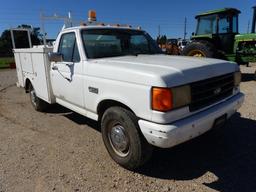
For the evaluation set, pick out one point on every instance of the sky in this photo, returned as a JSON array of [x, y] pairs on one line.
[[149, 14]]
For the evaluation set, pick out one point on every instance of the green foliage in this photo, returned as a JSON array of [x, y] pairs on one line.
[[162, 39], [6, 61], [21, 39]]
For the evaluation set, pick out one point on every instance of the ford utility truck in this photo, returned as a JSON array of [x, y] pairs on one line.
[[142, 98]]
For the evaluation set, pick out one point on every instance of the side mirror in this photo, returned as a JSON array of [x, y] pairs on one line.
[[193, 34], [55, 57]]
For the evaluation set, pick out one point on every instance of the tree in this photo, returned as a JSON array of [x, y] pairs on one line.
[[158, 39], [161, 39], [5, 44], [164, 39], [21, 39], [36, 36]]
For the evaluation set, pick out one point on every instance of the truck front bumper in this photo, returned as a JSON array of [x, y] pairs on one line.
[[169, 135]]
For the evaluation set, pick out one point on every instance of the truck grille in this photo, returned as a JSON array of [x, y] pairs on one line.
[[210, 91]]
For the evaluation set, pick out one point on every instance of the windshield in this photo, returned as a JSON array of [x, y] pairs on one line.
[[221, 24], [235, 24], [207, 25], [100, 43]]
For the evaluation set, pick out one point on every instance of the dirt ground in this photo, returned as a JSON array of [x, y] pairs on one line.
[[63, 151]]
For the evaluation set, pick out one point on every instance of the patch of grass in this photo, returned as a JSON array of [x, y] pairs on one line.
[[5, 62]]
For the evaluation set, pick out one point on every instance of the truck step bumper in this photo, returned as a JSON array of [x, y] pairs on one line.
[[169, 135]]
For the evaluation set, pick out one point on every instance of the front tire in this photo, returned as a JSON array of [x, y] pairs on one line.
[[37, 103], [121, 136]]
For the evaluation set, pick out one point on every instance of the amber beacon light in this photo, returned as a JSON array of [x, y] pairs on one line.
[[91, 15]]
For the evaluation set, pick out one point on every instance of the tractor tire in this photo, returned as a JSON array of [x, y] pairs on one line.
[[200, 49], [122, 138]]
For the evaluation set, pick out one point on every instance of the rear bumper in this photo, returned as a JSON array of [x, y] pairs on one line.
[[166, 136]]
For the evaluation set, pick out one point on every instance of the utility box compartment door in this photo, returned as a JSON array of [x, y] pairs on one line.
[[33, 64], [41, 75], [26, 62], [20, 82]]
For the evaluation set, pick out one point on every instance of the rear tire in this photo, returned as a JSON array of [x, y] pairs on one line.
[[37, 103], [200, 49], [122, 138]]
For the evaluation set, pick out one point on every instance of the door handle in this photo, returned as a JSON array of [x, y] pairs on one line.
[[54, 68]]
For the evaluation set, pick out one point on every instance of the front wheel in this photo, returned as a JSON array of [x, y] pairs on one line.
[[121, 136]]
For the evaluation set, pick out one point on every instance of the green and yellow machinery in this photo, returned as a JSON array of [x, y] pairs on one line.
[[217, 36]]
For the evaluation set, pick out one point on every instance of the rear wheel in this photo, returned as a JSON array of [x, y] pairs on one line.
[[200, 49], [37, 103], [121, 136]]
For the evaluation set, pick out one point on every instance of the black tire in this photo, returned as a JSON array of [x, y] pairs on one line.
[[205, 48], [37, 103], [135, 151]]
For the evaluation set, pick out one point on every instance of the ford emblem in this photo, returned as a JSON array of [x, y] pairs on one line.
[[217, 91]]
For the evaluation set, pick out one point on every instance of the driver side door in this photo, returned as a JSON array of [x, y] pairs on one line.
[[67, 75]]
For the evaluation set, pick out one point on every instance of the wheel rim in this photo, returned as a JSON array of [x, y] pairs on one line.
[[33, 97], [119, 140], [196, 53]]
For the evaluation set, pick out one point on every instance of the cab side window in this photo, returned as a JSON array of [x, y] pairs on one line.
[[68, 48]]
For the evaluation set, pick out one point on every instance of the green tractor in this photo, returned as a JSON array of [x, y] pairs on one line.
[[217, 36]]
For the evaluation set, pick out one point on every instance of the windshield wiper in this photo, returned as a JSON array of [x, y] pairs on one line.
[[138, 53]]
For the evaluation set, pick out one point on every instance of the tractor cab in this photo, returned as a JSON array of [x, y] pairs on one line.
[[219, 27], [217, 36], [223, 21]]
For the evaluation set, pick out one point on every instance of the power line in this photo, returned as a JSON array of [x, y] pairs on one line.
[[162, 24]]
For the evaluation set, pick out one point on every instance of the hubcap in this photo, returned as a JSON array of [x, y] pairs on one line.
[[33, 96], [119, 140]]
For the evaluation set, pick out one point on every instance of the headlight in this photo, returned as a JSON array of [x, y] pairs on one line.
[[181, 96], [166, 99], [237, 78]]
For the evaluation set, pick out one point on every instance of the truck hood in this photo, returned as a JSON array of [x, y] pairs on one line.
[[159, 70]]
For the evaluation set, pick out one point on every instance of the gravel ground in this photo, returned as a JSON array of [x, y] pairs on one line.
[[63, 151]]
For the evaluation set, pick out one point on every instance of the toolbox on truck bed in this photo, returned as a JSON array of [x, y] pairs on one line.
[[33, 64]]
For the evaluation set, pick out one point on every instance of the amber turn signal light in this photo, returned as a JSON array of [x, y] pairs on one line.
[[161, 99]]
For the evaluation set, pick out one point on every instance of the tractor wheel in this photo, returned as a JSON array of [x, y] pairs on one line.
[[200, 49]]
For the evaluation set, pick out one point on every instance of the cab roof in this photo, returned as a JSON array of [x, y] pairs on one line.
[[97, 26], [219, 11]]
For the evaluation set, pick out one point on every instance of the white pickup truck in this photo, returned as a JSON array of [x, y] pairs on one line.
[[141, 97]]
